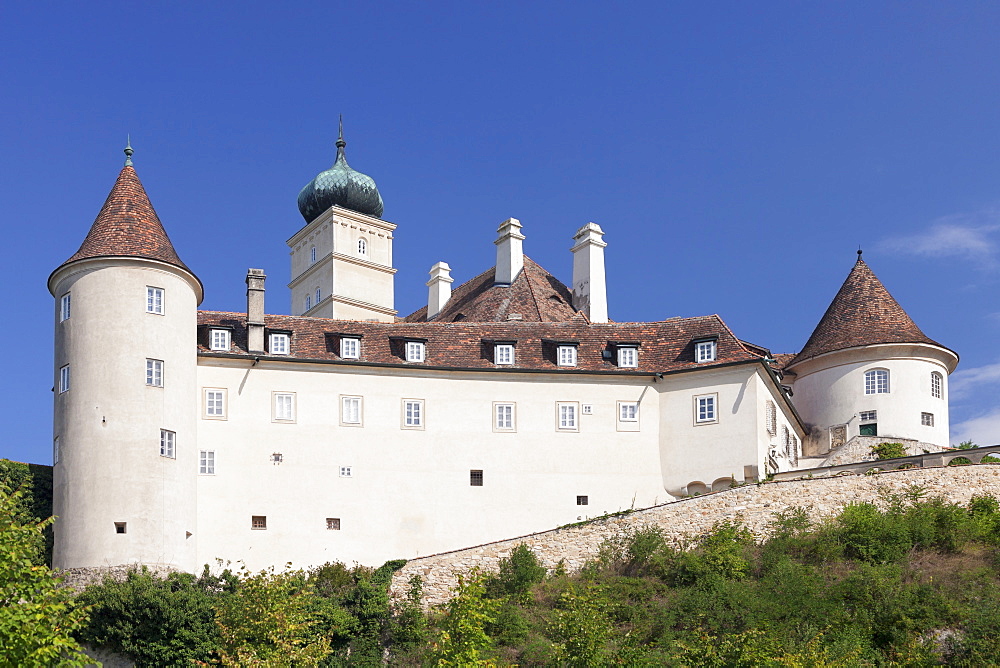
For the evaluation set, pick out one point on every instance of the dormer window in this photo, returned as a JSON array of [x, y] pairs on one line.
[[503, 353], [566, 355], [705, 351], [416, 351], [218, 339], [279, 343], [628, 357], [350, 347]]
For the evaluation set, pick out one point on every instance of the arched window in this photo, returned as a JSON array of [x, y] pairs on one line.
[[308, 302], [877, 381], [312, 255], [362, 247], [937, 383], [317, 296]]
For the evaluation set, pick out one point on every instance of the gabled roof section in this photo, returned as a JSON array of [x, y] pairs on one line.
[[535, 296], [862, 314], [128, 226]]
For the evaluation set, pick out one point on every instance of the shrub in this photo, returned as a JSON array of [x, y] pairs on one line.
[[888, 450], [517, 575], [960, 461]]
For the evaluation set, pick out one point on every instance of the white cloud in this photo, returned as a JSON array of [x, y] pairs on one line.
[[982, 430], [967, 382], [970, 236]]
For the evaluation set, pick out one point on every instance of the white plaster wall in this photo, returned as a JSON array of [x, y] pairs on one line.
[[109, 421]]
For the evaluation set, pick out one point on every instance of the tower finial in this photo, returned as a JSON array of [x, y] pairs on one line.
[[128, 150], [340, 134], [859, 253]]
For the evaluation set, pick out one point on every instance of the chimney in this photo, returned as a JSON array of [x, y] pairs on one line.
[[255, 310], [590, 294], [439, 288], [510, 257]]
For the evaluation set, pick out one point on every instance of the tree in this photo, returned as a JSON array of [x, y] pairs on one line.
[[37, 615], [462, 639]]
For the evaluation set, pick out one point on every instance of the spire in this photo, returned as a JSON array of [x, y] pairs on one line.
[[862, 314], [340, 186], [128, 151], [340, 134]]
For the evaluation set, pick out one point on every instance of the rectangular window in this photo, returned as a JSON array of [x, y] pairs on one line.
[[350, 411], [309, 303], [628, 411], [346, 472], [63, 379], [121, 527], [503, 353], [503, 417], [350, 348], [413, 413], [154, 300], [279, 344], [154, 373], [476, 478], [284, 406], [566, 355], [167, 441], [868, 416], [219, 339], [333, 524], [704, 351], [582, 500], [55, 451], [215, 404], [64, 307], [704, 409], [415, 351], [566, 416], [206, 462], [936, 383], [927, 419], [628, 358], [258, 522]]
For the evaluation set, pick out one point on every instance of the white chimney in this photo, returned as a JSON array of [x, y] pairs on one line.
[[439, 288], [255, 310], [590, 293], [510, 256]]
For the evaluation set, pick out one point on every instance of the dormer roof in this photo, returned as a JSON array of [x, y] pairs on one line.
[[862, 314]]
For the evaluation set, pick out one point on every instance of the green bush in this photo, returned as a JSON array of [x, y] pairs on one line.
[[888, 450], [517, 574]]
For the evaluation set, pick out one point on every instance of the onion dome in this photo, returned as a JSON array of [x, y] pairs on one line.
[[341, 186]]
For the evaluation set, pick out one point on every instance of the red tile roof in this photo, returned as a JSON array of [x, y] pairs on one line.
[[862, 314], [128, 226], [535, 295]]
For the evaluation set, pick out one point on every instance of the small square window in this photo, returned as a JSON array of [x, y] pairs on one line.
[[121, 527], [351, 411], [154, 300], [582, 501], [868, 416], [64, 307], [705, 351], [503, 417], [416, 351], [258, 522], [277, 457], [333, 524], [215, 404], [219, 339], [346, 472], [927, 419], [279, 344], [566, 416], [64, 379], [628, 357], [350, 347], [413, 414], [628, 411], [206, 462], [586, 409], [476, 478], [168, 440], [704, 409], [284, 406], [566, 355], [154, 373], [503, 353]]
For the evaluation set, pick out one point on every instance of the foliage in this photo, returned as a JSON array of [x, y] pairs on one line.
[[889, 450], [35, 503], [966, 445], [517, 574], [461, 634], [37, 615]]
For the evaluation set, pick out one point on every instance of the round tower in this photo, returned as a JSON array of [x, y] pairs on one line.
[[124, 477], [868, 370]]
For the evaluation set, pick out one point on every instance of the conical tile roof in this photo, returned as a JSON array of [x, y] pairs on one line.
[[862, 314], [128, 226]]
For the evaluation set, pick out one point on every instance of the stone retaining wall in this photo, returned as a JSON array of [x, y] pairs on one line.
[[754, 505], [78, 578]]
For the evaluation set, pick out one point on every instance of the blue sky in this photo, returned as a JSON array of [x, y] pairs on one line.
[[736, 154]]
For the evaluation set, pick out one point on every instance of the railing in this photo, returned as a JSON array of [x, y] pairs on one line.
[[974, 455]]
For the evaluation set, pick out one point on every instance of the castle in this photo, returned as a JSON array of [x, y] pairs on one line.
[[507, 405]]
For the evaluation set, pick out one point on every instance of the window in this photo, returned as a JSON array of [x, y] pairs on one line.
[[771, 417], [258, 522], [346, 472], [937, 381], [415, 351], [277, 458], [64, 307], [333, 524], [704, 409], [279, 344], [566, 416], [704, 351], [215, 403], [413, 414], [309, 302], [628, 411], [566, 355], [284, 407], [55, 451], [587, 409], [350, 348], [317, 296], [476, 478], [927, 419], [877, 381], [206, 462], [219, 339], [350, 411], [582, 500], [312, 255], [64, 379], [503, 417], [868, 416], [362, 247], [154, 373], [503, 353], [628, 357], [121, 527], [154, 300], [167, 441]]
